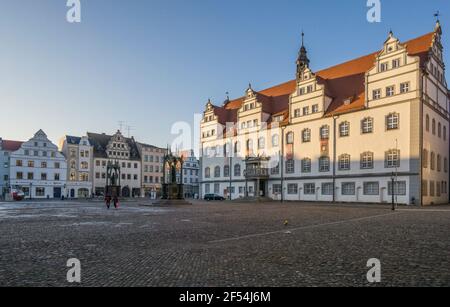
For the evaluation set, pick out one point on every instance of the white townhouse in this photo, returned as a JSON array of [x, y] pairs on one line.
[[191, 171], [38, 168], [80, 159], [362, 131], [124, 151], [6, 148]]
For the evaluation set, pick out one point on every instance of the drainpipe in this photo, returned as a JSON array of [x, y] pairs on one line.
[[282, 163], [335, 118]]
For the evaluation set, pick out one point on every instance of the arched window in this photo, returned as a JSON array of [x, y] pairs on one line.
[[427, 123], [433, 126], [207, 172], [275, 140], [290, 166], [73, 164], [249, 146], [217, 172], [432, 161], [367, 125], [84, 165], [237, 147], [237, 170], [439, 163], [290, 138], [325, 132], [439, 130], [344, 129], [226, 171], [392, 121], [261, 143], [306, 165], [445, 133], [306, 136], [392, 158], [344, 162], [425, 158], [324, 164], [367, 160]]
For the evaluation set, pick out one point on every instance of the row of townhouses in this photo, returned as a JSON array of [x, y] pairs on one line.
[[78, 167], [362, 131]]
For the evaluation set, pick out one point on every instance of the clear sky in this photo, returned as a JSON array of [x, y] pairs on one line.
[[151, 63]]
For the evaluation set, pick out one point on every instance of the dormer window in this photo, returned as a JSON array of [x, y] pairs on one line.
[[301, 91], [309, 89], [278, 118]]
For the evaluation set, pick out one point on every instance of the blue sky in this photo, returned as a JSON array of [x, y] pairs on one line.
[[151, 63]]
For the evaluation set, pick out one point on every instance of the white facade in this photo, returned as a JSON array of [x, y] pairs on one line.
[[38, 169], [119, 149], [79, 154], [345, 133], [191, 171]]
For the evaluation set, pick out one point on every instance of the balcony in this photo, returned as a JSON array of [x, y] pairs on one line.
[[257, 173]]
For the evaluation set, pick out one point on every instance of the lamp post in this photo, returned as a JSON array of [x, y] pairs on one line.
[[393, 191]]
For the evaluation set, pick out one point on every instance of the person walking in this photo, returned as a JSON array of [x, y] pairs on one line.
[[108, 201], [116, 202]]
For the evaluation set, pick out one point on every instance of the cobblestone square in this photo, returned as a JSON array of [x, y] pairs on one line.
[[222, 244]]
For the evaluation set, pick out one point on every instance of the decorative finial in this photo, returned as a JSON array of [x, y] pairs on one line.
[[437, 15], [303, 38], [391, 33], [249, 86]]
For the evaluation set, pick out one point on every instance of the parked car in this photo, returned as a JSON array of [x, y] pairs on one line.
[[17, 195], [209, 197]]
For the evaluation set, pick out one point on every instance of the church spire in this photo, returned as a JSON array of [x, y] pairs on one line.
[[302, 61]]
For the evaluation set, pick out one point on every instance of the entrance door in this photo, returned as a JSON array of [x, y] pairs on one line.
[[56, 192], [262, 188], [72, 193]]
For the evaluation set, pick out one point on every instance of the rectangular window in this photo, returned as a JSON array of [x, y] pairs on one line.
[[315, 108], [216, 188], [404, 87], [305, 111], [19, 163], [376, 94], [432, 188], [400, 188], [43, 176], [19, 175], [327, 188], [348, 188], [309, 189], [396, 63], [292, 189], [384, 67], [390, 91], [297, 113], [40, 192], [371, 188]]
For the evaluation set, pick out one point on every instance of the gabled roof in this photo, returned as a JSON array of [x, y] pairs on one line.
[[341, 82], [100, 143], [8, 145], [74, 140]]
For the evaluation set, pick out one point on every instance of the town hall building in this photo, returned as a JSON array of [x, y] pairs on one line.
[[362, 131]]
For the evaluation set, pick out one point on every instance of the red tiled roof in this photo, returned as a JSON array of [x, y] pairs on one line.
[[341, 82], [11, 145]]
